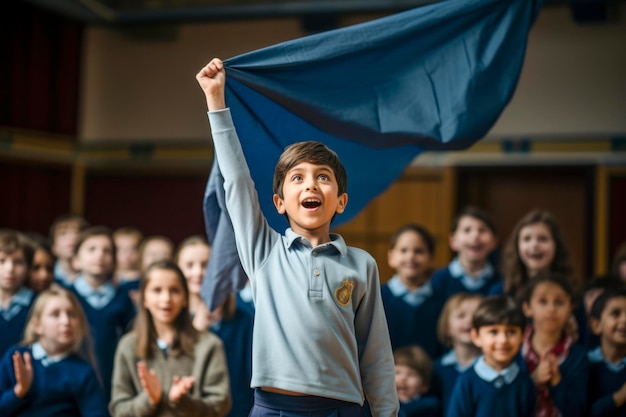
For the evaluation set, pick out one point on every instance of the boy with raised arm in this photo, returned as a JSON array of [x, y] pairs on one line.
[[320, 341]]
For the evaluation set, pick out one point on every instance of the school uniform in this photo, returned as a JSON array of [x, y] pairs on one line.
[[453, 279], [320, 327], [482, 391], [422, 406], [446, 371], [604, 379], [209, 396], [13, 318], [109, 312], [236, 335], [569, 396], [411, 315], [64, 385]]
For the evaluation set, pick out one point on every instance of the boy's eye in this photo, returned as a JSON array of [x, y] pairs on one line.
[[323, 177], [296, 178]]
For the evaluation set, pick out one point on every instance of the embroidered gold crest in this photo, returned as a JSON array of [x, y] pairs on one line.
[[344, 293]]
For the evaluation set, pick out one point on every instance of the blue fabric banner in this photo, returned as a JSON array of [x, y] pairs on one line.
[[432, 78]]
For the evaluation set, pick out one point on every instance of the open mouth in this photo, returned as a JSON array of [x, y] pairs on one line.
[[311, 203]]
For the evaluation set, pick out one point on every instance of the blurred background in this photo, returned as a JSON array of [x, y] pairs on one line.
[[100, 115]]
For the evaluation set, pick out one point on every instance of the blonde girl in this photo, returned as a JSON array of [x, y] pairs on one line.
[[454, 331], [47, 376], [164, 367]]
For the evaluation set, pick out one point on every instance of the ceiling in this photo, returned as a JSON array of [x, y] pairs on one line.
[[122, 12]]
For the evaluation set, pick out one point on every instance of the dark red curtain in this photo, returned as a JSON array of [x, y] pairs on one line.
[[39, 75]]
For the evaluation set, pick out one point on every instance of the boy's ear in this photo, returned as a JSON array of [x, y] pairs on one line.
[[74, 263], [279, 204], [390, 260], [452, 243], [475, 338], [526, 309], [342, 203], [594, 325]]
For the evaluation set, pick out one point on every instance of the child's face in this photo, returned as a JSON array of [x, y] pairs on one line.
[[95, 257], [409, 383], [126, 252], [42, 271], [499, 344], [536, 248], [310, 198], [410, 258], [155, 250], [13, 271], [612, 324], [193, 260], [65, 238], [549, 307], [460, 323], [472, 240], [57, 327], [164, 296]]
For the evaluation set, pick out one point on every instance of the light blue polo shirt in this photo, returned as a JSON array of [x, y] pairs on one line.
[[320, 327]]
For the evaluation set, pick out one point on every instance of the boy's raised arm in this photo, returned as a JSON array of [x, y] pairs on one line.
[[212, 79]]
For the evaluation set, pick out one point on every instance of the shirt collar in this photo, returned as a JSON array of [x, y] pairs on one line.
[[40, 354], [596, 356], [19, 301], [470, 282], [411, 297], [335, 240], [450, 359], [96, 297], [487, 373]]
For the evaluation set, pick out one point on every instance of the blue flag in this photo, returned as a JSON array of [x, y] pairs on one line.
[[432, 78]]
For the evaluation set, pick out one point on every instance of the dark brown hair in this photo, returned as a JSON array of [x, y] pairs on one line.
[[498, 309], [475, 213], [186, 336], [417, 359], [514, 271], [552, 278], [313, 152], [80, 222], [426, 236], [11, 241]]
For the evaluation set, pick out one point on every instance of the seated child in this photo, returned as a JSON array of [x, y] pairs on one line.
[[64, 233], [41, 273], [127, 242], [496, 385], [454, 329], [16, 255], [413, 376], [607, 363], [556, 364], [48, 376], [408, 296], [473, 238]]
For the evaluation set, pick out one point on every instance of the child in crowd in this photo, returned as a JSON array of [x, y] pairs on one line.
[[46, 376], [535, 247], [64, 233], [234, 326], [127, 241], [594, 288], [619, 263], [607, 363], [164, 367], [15, 298], [109, 310], [192, 257], [495, 385], [557, 366], [41, 274], [473, 238], [413, 377], [408, 296], [155, 248], [320, 341], [454, 329]]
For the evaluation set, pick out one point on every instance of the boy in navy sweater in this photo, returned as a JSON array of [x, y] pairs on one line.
[[495, 384], [607, 363], [473, 238]]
